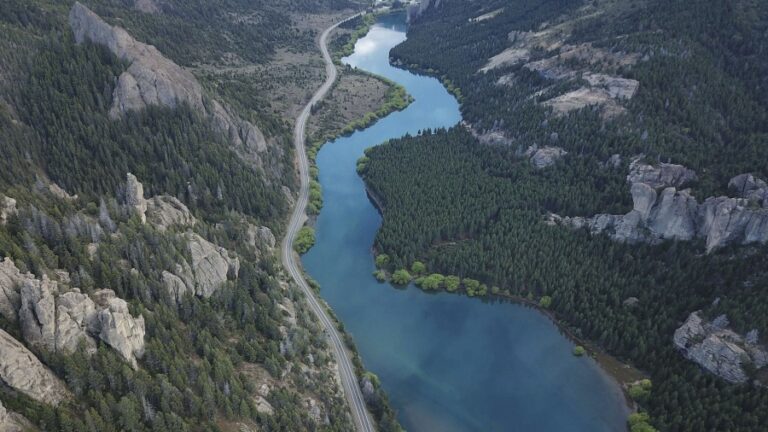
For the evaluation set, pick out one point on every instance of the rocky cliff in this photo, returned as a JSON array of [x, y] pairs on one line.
[[152, 79], [661, 211], [23, 371], [718, 349]]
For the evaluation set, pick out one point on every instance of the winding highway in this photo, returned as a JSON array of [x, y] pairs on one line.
[[349, 382]]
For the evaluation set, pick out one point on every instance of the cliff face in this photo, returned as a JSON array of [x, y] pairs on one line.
[[718, 349], [152, 79], [661, 211]]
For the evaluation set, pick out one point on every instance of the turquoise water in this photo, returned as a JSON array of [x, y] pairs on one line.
[[448, 363]]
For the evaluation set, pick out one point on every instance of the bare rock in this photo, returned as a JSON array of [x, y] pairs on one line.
[[75, 313], [661, 176], [261, 236], [544, 156], [210, 265], [146, 6], [37, 315], [7, 208], [176, 286], [165, 211], [134, 197], [726, 220], [120, 330], [152, 79], [749, 187], [719, 350], [22, 371], [13, 422], [674, 215], [10, 281]]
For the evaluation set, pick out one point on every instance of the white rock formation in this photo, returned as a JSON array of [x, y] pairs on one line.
[[544, 156], [659, 176], [210, 268], [260, 236], [210, 265], [165, 211], [22, 371], [61, 322], [719, 350], [7, 208], [117, 328], [37, 315], [662, 212], [10, 283], [134, 197], [152, 79]]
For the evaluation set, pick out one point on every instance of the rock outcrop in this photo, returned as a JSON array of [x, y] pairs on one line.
[[165, 211], [210, 265], [210, 268], [7, 208], [662, 212], [260, 236], [416, 10], [37, 315], [117, 328], [134, 197], [146, 6], [60, 322], [10, 283], [718, 349], [659, 176], [22, 371], [152, 79], [544, 156]]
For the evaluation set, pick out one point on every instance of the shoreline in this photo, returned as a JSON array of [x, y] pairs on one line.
[[620, 373]]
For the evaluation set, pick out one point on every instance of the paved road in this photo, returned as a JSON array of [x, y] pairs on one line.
[[348, 378]]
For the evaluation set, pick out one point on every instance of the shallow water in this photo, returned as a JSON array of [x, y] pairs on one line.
[[447, 362]]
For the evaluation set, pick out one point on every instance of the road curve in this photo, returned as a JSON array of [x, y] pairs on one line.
[[348, 377]]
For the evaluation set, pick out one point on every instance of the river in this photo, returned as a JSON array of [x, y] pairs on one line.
[[448, 362]]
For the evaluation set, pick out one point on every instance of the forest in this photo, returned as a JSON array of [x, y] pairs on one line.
[[202, 356], [476, 212]]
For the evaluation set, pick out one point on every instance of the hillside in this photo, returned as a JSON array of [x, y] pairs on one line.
[[611, 168], [147, 170]]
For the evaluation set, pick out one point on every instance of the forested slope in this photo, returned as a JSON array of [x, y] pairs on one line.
[[139, 284], [603, 83]]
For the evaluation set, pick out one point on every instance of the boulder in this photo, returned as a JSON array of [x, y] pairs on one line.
[[176, 286], [22, 371], [544, 156], [165, 211], [118, 329], [750, 188], [659, 176], [719, 350], [260, 236], [134, 197], [152, 79], [210, 265]]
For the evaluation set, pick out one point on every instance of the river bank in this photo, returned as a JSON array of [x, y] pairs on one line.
[[622, 373]]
